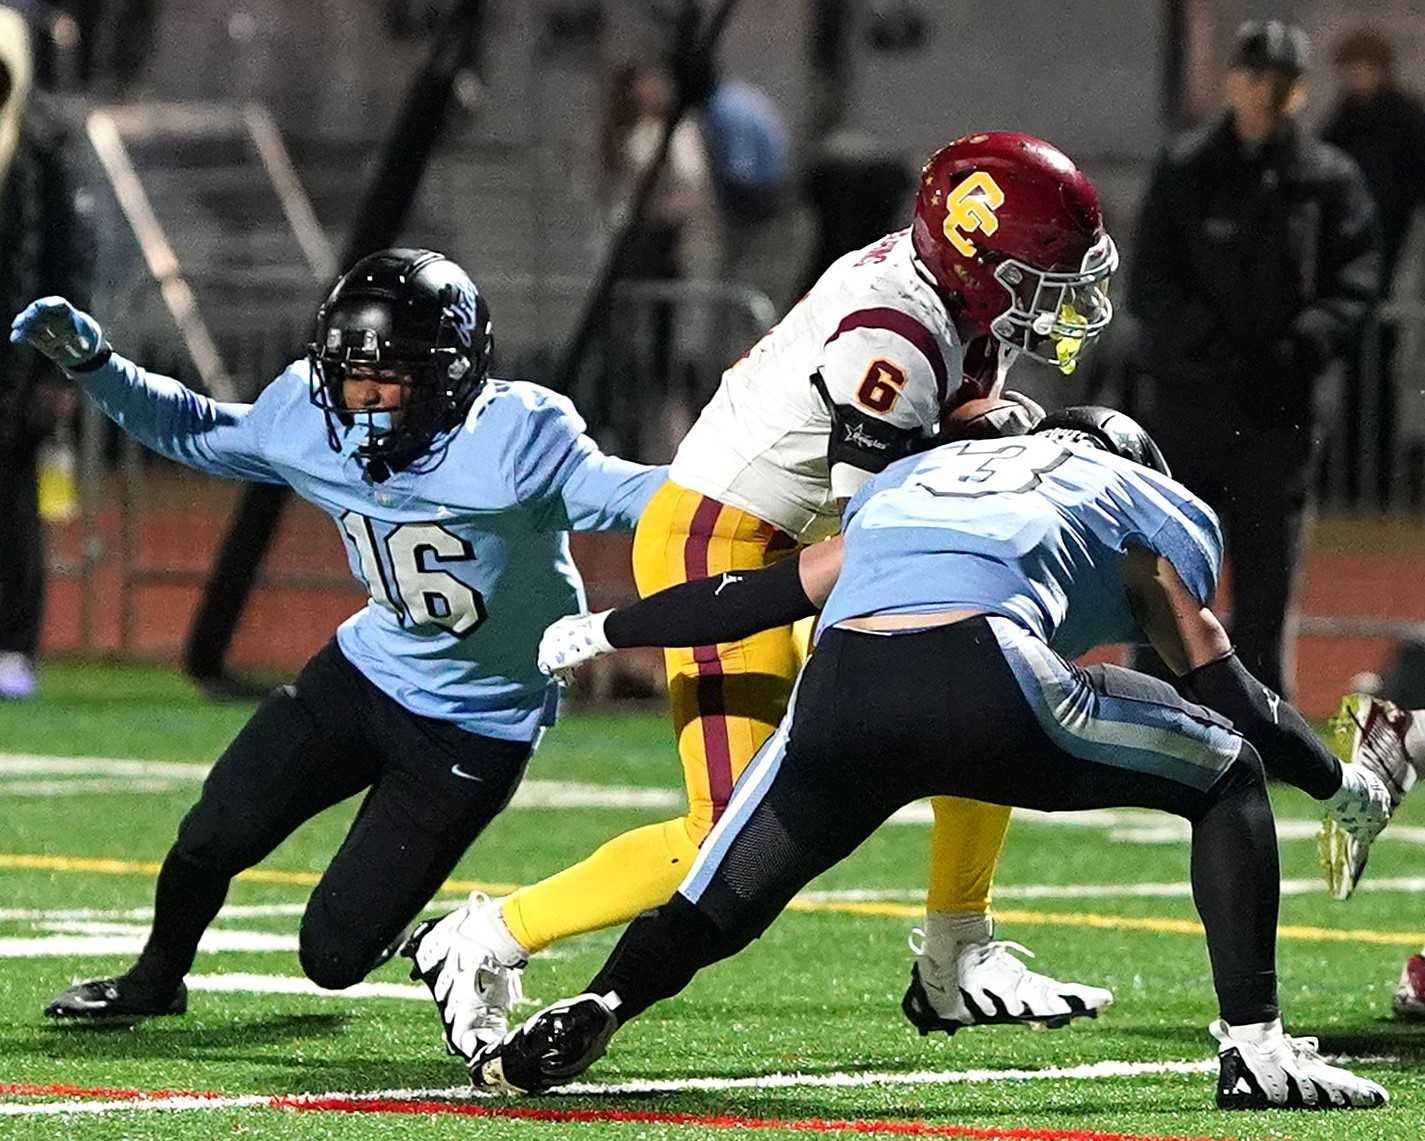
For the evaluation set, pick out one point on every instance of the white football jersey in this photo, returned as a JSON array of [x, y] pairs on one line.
[[873, 337]]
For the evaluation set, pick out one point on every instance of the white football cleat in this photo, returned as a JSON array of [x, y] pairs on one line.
[[1409, 1000], [473, 990], [988, 986], [1369, 736], [1262, 1068]]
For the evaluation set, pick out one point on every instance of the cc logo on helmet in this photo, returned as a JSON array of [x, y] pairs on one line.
[[971, 206]]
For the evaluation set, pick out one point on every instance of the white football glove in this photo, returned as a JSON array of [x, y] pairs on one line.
[[570, 642], [68, 336]]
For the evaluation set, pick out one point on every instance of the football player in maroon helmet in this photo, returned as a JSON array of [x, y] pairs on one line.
[[1012, 233]]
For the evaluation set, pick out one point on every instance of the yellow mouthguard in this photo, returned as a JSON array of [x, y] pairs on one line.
[[1069, 343]]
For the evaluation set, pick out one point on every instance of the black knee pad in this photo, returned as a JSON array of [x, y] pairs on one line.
[[1244, 776], [332, 955]]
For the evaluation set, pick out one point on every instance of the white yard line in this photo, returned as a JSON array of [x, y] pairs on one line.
[[88, 775], [1089, 1072], [131, 943], [242, 983]]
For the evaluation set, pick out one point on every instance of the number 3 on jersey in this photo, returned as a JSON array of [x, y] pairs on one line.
[[973, 468], [418, 596]]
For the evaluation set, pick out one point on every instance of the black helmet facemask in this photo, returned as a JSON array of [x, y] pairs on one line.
[[414, 316]]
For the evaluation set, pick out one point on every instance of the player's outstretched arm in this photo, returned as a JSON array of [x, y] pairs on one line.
[[702, 612], [1188, 636], [577, 486], [160, 412]]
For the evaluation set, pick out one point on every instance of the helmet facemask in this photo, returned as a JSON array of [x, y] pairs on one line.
[[1054, 314], [436, 393]]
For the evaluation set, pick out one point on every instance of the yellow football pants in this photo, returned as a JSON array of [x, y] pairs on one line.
[[726, 700]]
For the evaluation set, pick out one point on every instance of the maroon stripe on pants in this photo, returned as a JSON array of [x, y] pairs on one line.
[[712, 708]]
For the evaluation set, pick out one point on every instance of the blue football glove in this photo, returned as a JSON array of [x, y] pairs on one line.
[[56, 328]]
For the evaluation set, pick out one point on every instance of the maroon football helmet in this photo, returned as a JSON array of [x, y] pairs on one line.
[[1012, 232]]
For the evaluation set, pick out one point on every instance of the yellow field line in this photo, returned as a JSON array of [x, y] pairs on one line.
[[1159, 924], [1114, 922], [109, 867]]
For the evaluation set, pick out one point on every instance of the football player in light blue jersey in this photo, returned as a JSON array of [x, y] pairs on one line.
[[454, 494], [962, 578]]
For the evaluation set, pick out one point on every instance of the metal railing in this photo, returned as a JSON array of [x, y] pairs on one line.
[[638, 393], [1374, 461]]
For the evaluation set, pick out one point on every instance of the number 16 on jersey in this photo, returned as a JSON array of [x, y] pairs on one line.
[[414, 588]]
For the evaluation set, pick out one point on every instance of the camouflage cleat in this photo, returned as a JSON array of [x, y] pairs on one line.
[[1369, 737]]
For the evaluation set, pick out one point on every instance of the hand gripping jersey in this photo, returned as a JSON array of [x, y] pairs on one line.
[[465, 561], [1023, 527], [874, 338]]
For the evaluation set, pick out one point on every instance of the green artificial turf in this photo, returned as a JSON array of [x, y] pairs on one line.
[[818, 995]]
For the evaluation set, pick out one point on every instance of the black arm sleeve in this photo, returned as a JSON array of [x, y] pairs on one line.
[[1290, 750], [711, 610]]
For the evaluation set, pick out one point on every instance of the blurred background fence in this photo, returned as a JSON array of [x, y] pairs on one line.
[[225, 146]]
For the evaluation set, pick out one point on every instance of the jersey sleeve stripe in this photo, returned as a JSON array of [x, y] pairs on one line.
[[905, 326]]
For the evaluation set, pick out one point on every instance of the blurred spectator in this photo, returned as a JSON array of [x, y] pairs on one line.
[[115, 40], [857, 189], [749, 153], [44, 248], [639, 101], [1255, 261], [1383, 129]]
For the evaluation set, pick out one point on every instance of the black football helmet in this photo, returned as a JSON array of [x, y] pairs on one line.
[[414, 311], [1105, 428]]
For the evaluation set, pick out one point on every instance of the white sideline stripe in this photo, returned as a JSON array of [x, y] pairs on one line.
[[61, 918], [60, 915], [1095, 1070], [1092, 1071], [85, 946], [83, 786], [117, 774], [35, 764], [240, 983]]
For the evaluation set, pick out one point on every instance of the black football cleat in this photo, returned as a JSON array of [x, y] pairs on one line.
[[549, 1049], [115, 998]]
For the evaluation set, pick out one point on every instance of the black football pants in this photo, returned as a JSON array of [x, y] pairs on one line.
[[431, 788], [979, 709]]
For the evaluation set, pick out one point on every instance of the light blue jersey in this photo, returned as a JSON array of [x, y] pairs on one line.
[[1027, 528], [466, 561]]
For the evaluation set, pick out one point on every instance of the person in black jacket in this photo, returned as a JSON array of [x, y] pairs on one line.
[[1256, 259], [45, 244], [1383, 129]]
